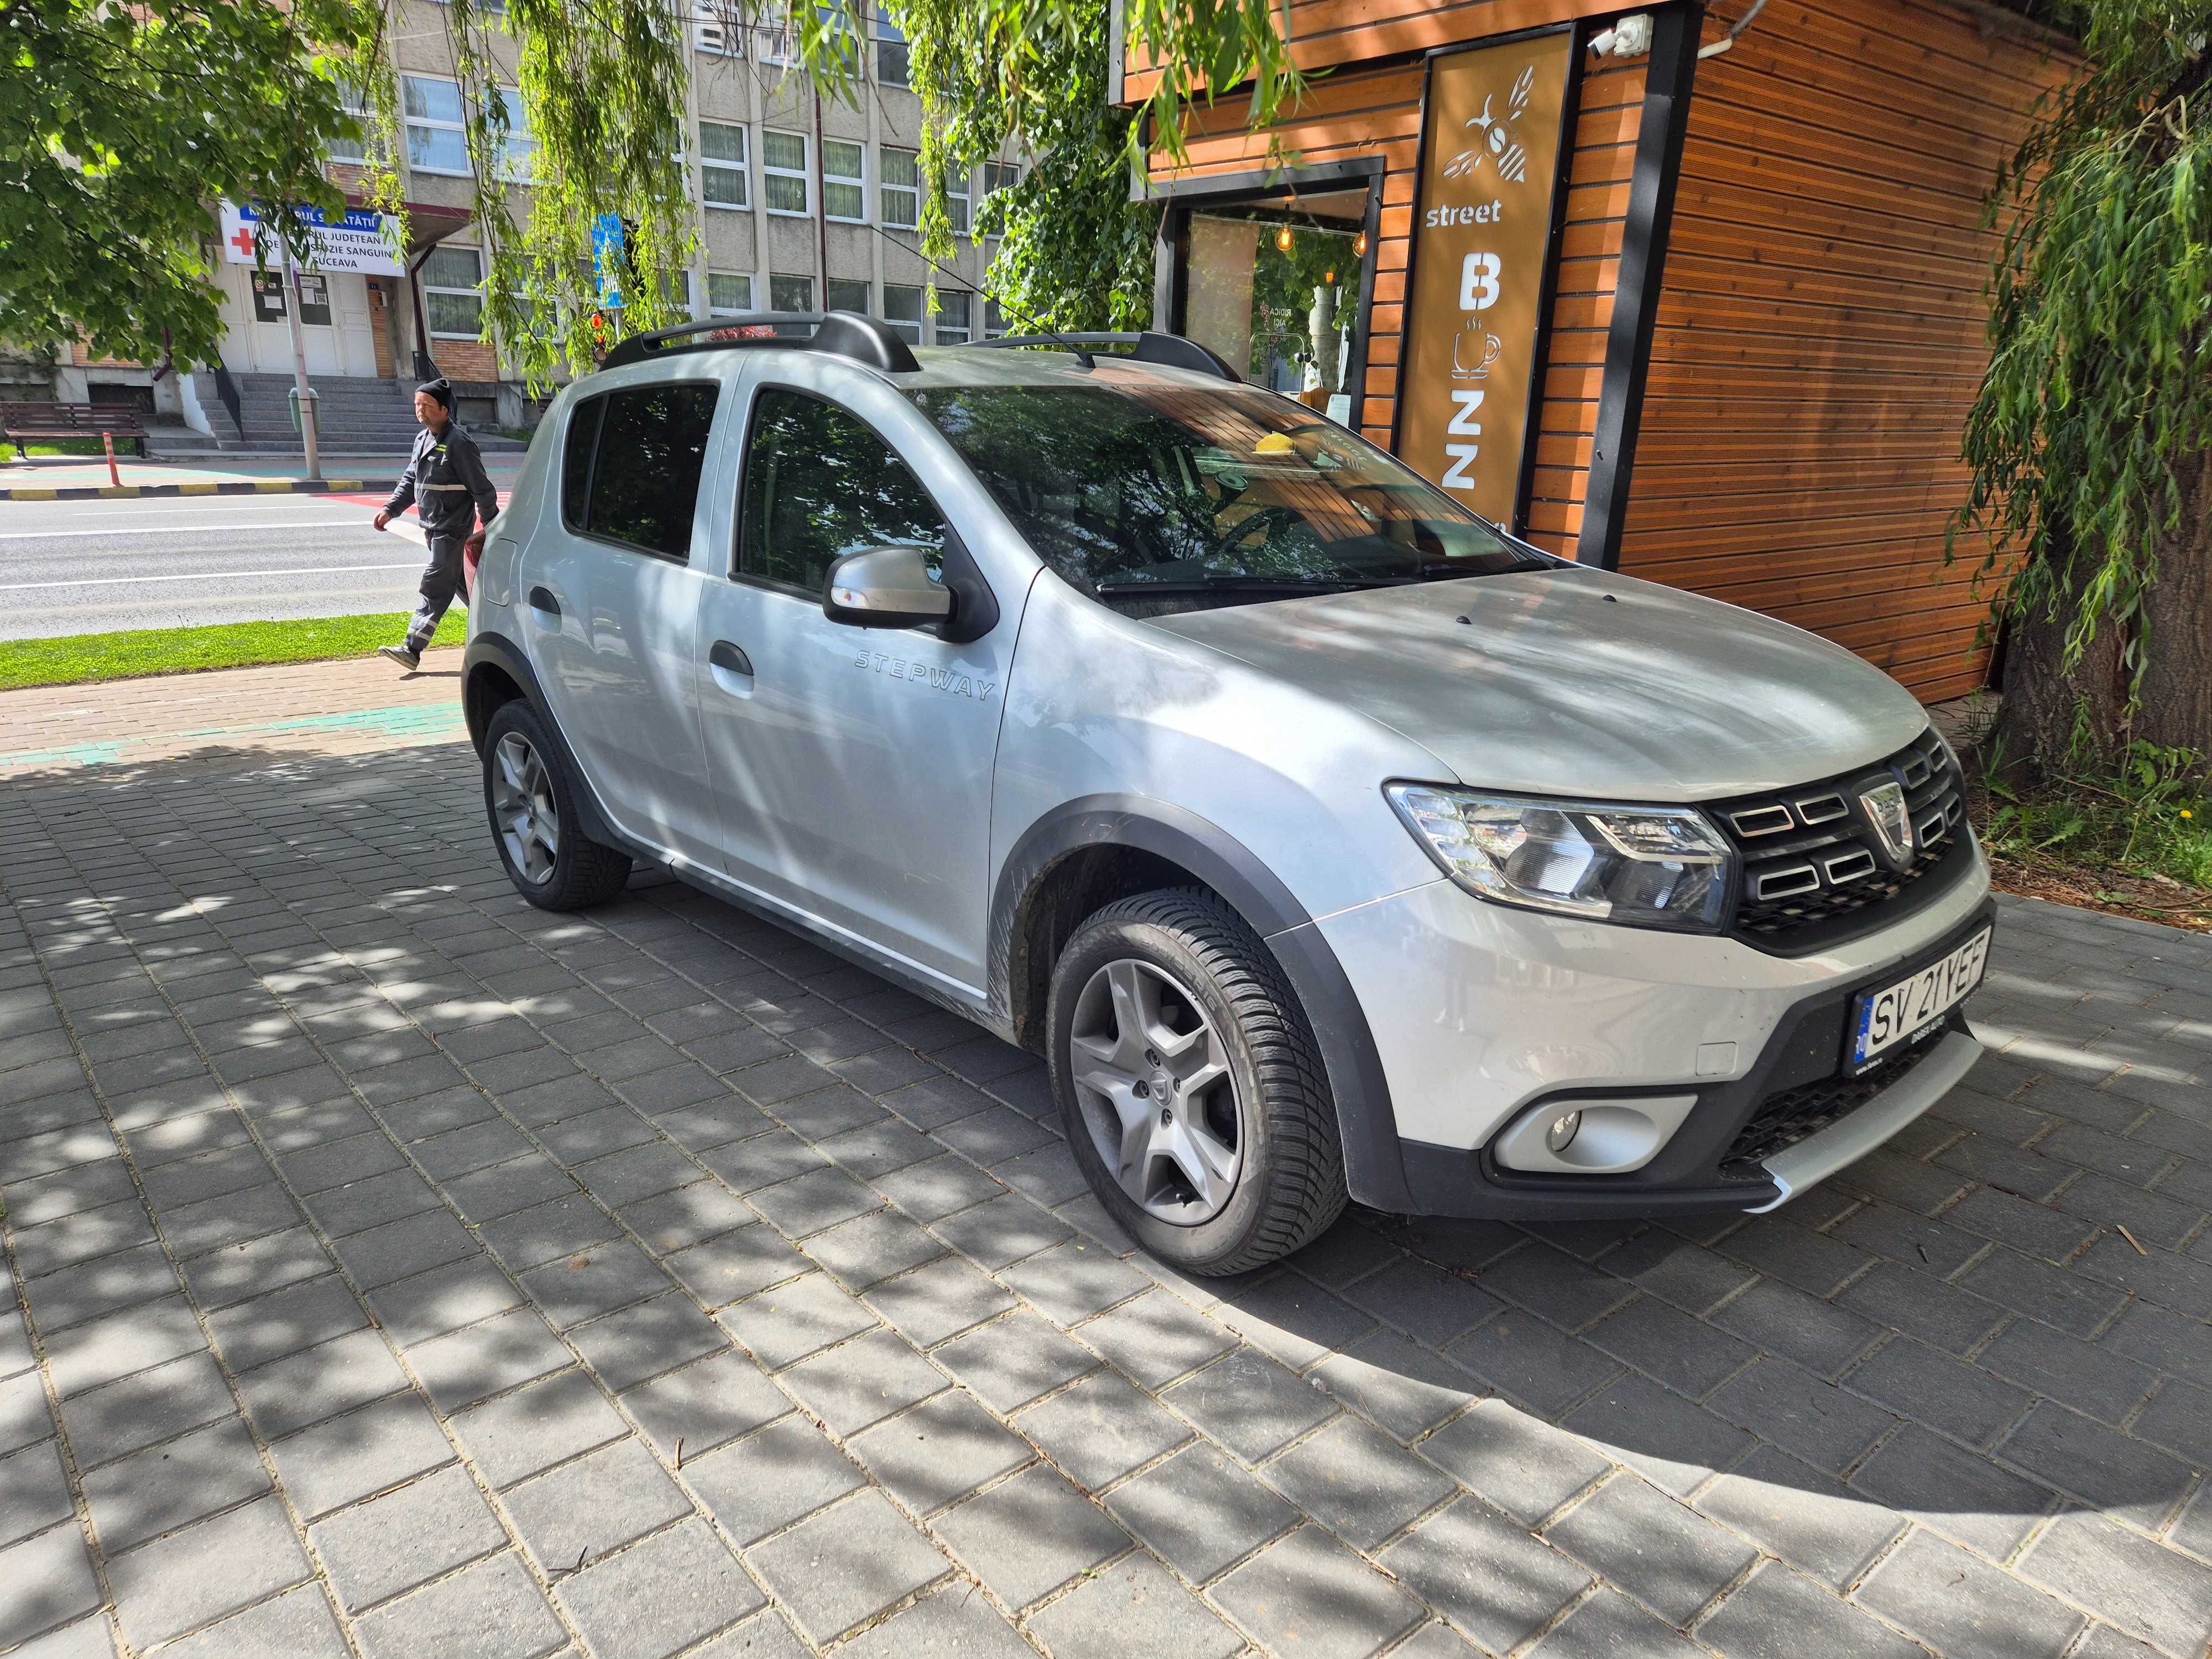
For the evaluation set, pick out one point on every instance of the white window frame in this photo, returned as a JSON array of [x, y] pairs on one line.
[[1011, 173], [353, 100], [477, 293], [905, 198], [744, 277], [857, 181], [740, 170], [411, 124], [773, 42], [900, 325], [944, 334], [803, 172], [963, 221], [889, 34]]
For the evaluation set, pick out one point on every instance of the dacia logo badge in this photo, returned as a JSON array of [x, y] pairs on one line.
[[1885, 807]]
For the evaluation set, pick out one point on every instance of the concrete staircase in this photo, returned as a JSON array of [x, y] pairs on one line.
[[358, 416]]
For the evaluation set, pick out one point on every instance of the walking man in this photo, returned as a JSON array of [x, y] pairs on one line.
[[446, 481]]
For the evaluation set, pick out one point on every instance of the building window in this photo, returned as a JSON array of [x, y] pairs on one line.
[[518, 160], [844, 181], [848, 296], [890, 53], [722, 180], [994, 321], [791, 292], [839, 26], [999, 175], [729, 294], [435, 142], [955, 323], [955, 201], [353, 100], [719, 38], [783, 160], [901, 190], [902, 311], [452, 293], [774, 41]]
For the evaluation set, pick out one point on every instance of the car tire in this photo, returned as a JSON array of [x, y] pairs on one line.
[[1150, 1123], [532, 807]]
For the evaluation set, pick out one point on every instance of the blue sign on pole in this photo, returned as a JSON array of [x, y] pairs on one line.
[[607, 258]]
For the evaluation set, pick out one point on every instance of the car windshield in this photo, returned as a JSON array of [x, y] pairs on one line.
[[1137, 490]]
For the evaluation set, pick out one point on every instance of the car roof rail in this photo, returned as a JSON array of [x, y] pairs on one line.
[[1168, 350], [844, 333]]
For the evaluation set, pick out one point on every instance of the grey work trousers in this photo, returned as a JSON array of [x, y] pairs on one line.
[[441, 582]]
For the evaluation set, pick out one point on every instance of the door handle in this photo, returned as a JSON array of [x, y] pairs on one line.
[[541, 598], [733, 670]]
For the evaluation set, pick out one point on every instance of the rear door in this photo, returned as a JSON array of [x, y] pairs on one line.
[[851, 766], [609, 598]]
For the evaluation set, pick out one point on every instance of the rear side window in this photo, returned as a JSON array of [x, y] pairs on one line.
[[820, 483], [630, 472]]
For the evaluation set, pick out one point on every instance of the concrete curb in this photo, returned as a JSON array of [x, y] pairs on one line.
[[208, 487]]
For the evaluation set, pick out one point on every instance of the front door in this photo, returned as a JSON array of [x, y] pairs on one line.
[[610, 603], [851, 766]]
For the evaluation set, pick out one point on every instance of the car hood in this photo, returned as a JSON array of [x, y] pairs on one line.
[[1579, 683]]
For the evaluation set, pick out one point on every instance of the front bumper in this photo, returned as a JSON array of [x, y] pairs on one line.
[[1480, 1013]]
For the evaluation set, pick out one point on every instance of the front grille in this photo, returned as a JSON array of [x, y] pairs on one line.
[[1789, 1115], [1816, 871]]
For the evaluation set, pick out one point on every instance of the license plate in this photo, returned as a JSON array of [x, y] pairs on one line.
[[1902, 1013]]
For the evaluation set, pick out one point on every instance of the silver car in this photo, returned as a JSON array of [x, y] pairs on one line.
[[1328, 841]]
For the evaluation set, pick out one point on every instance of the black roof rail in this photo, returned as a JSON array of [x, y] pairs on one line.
[[846, 333], [1169, 351]]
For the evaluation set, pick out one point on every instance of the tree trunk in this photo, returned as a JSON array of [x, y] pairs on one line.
[[2037, 724], [2177, 689]]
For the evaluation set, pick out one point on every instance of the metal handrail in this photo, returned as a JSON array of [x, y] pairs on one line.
[[227, 390]]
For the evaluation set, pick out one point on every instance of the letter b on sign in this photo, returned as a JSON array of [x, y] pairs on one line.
[[1478, 281]]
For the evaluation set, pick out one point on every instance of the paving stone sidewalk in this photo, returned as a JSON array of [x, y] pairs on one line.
[[406, 1273]]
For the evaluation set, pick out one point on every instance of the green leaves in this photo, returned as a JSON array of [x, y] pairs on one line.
[[118, 127]]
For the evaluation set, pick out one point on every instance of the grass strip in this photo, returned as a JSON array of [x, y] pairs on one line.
[[84, 659]]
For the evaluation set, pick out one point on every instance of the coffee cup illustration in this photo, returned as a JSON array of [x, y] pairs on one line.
[[1474, 348]]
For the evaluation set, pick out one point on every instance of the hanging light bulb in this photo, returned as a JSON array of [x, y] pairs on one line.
[[1359, 245], [1283, 238]]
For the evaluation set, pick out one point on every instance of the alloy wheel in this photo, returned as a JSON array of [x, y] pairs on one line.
[[1152, 1075], [523, 807]]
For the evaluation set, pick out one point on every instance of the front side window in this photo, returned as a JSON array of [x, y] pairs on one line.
[[783, 162], [722, 165], [640, 487], [902, 311], [452, 293], [844, 180], [729, 294], [432, 112], [1170, 498], [790, 293], [820, 483], [902, 188]]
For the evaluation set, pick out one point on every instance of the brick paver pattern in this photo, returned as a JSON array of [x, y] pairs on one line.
[[406, 1272]]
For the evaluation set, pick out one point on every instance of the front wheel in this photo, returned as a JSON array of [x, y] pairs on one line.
[[1190, 1085], [532, 805]]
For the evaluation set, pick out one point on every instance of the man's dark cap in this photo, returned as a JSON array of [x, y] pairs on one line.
[[441, 389]]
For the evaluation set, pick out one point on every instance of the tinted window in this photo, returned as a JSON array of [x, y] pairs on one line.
[[576, 460], [644, 478], [819, 482], [1134, 488]]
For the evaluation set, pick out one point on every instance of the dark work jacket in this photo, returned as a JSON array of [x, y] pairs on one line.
[[447, 483]]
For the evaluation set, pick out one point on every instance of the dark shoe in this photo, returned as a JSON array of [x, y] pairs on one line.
[[401, 654]]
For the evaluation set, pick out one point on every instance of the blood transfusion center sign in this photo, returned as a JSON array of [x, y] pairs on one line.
[[1490, 160], [359, 241]]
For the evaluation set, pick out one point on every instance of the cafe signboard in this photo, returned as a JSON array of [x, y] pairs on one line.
[[1493, 129]]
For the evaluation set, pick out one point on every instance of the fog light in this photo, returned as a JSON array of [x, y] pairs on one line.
[[1561, 1134]]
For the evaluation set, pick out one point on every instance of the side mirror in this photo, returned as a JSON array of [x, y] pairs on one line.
[[885, 587]]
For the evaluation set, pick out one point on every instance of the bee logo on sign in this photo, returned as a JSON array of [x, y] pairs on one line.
[[1490, 143]]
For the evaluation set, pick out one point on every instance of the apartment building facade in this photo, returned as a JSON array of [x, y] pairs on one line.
[[804, 203]]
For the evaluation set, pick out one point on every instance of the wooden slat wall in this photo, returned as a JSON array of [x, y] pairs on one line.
[[1820, 331], [1358, 113]]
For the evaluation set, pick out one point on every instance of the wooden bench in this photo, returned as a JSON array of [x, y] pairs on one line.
[[48, 422]]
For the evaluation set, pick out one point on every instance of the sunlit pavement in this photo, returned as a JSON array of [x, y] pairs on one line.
[[405, 1268]]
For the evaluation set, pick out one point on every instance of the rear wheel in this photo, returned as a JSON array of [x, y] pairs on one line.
[[532, 806], [1190, 1085]]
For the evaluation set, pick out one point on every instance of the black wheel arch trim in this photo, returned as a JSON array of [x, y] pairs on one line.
[[495, 651], [1366, 1123]]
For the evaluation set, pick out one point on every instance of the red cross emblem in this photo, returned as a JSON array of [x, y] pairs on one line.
[[244, 240]]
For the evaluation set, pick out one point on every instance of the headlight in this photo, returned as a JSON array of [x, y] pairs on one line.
[[1645, 866]]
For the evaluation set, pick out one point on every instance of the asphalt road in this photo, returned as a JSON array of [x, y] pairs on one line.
[[91, 567]]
